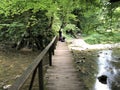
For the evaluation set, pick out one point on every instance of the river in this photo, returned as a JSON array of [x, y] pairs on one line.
[[98, 65], [109, 66]]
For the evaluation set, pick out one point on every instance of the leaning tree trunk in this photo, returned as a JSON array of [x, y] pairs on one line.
[[30, 41]]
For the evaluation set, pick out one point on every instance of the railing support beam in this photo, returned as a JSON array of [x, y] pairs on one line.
[[40, 76], [34, 67], [50, 56], [33, 78]]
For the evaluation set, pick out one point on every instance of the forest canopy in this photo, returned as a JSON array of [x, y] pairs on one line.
[[33, 23]]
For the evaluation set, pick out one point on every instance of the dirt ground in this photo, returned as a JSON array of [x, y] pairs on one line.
[[13, 63]]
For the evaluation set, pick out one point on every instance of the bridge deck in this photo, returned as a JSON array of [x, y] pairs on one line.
[[62, 75]]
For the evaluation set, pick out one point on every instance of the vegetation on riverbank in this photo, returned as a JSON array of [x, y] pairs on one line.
[[86, 64], [97, 38]]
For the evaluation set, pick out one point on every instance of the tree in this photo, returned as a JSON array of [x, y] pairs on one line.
[[35, 20]]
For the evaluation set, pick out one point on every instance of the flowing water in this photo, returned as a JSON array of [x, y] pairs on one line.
[[99, 69], [98, 65], [109, 66]]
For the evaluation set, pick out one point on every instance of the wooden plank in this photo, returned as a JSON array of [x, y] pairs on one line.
[[63, 76]]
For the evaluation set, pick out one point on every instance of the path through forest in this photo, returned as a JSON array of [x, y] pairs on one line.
[[63, 75]]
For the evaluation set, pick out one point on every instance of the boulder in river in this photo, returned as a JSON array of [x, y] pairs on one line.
[[103, 79]]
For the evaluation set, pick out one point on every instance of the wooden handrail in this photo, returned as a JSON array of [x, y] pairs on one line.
[[32, 68]]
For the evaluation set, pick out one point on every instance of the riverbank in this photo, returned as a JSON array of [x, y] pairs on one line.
[[80, 44], [93, 61]]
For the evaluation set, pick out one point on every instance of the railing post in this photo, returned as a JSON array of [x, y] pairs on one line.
[[50, 56], [53, 47], [36, 67], [55, 42], [32, 80], [40, 76]]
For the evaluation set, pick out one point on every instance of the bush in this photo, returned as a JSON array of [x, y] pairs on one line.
[[97, 38]]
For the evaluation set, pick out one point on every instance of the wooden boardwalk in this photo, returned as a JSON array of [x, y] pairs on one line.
[[62, 75]]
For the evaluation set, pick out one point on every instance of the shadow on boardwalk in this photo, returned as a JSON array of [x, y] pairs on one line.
[[63, 75]]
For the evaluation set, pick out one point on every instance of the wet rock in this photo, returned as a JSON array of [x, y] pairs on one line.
[[6, 87], [110, 48], [78, 62], [98, 55], [119, 58], [106, 53], [17, 76], [89, 51], [83, 58], [100, 52], [14, 45], [103, 79]]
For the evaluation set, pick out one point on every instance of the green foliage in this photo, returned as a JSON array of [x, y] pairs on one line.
[[11, 31], [105, 38], [70, 26], [26, 19], [45, 17]]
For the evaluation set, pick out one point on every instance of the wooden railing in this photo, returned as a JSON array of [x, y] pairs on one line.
[[36, 67]]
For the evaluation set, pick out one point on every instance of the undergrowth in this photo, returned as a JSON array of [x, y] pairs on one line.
[[97, 38]]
